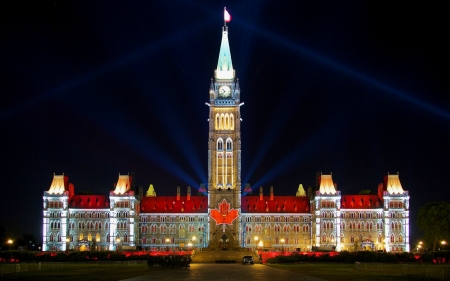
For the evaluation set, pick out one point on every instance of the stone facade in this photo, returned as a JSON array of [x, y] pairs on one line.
[[220, 216]]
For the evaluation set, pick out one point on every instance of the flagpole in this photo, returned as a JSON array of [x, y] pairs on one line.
[[224, 11]]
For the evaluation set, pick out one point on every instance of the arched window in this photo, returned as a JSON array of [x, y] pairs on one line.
[[229, 145], [219, 145], [222, 121], [125, 238], [231, 121], [71, 237], [392, 238], [97, 237], [227, 122], [217, 122], [51, 238]]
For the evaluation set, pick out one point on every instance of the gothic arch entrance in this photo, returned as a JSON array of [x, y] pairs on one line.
[[224, 240]]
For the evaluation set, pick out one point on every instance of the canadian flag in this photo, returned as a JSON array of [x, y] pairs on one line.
[[226, 15]]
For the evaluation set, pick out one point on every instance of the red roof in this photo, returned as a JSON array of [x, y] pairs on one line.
[[170, 204], [371, 201], [279, 204], [89, 201]]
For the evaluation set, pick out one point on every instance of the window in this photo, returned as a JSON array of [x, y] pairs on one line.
[[219, 145], [229, 145]]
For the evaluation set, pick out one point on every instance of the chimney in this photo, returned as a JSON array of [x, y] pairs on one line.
[[178, 193], [380, 190], [261, 193], [141, 193], [71, 190], [271, 193], [189, 193]]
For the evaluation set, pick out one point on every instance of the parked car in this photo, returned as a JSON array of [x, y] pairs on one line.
[[248, 260]]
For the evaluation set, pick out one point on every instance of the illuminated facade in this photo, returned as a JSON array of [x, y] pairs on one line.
[[219, 216]]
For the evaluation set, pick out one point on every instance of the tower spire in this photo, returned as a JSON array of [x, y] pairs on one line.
[[225, 69]]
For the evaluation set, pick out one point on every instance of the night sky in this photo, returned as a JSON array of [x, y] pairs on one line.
[[92, 89]]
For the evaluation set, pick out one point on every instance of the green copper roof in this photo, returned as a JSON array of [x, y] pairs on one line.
[[224, 65]]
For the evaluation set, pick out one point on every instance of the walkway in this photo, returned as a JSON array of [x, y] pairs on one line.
[[223, 272]]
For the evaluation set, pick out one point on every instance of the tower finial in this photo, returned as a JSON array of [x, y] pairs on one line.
[[226, 16]]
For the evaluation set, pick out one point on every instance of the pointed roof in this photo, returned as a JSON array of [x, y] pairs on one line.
[[224, 65], [151, 191], [59, 184], [393, 184], [327, 185], [123, 184], [300, 191]]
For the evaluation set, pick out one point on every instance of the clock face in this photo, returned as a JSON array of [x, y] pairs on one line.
[[224, 91]]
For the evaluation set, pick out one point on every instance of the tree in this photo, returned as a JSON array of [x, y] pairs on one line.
[[434, 221]]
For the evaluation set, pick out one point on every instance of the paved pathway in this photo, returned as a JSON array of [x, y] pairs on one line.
[[226, 272]]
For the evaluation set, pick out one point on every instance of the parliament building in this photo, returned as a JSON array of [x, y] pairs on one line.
[[223, 214]]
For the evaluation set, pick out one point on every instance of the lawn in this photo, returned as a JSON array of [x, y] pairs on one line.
[[80, 271], [366, 272]]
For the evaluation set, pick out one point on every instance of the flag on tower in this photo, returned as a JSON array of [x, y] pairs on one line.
[[227, 16]]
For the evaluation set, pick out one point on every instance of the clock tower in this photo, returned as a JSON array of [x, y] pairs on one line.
[[224, 152]]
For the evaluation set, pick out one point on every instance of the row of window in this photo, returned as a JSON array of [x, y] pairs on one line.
[[276, 229], [165, 240], [171, 229], [278, 241], [144, 218], [276, 219], [54, 214], [81, 236], [89, 215], [361, 215], [224, 121], [361, 225], [123, 204], [52, 204], [395, 204], [89, 225], [229, 144]]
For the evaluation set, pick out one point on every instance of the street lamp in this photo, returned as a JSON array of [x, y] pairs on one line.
[[443, 245], [193, 240], [256, 238], [10, 243], [167, 242], [117, 244], [282, 245]]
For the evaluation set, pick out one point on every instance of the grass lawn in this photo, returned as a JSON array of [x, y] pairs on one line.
[[79, 271], [346, 272]]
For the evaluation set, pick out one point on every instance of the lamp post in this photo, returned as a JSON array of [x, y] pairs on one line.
[[256, 238], [443, 245], [167, 244], [193, 241], [117, 244], [282, 245], [10, 243], [67, 244]]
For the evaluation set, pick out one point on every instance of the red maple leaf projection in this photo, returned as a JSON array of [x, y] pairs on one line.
[[224, 215]]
